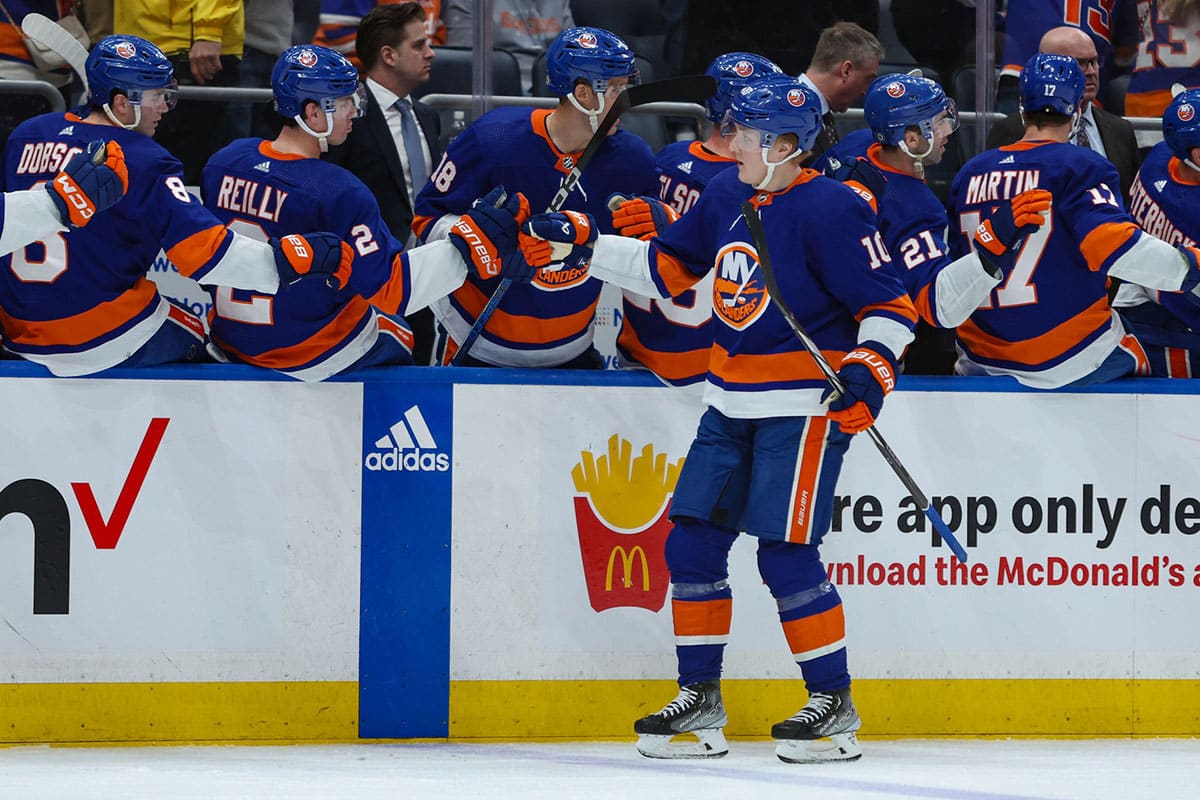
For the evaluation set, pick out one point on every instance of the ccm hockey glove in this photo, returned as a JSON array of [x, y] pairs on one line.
[[91, 182], [869, 373], [313, 255], [562, 238], [998, 240], [487, 236], [640, 217]]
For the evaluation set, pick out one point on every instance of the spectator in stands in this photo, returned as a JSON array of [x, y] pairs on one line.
[[523, 27], [1108, 134], [1168, 52], [338, 28], [268, 33], [16, 62], [204, 42], [395, 147], [844, 64]]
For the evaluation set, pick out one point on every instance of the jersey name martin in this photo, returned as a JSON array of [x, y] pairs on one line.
[[244, 196], [990, 187]]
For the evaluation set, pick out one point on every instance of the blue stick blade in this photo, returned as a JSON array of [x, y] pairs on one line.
[[947, 537]]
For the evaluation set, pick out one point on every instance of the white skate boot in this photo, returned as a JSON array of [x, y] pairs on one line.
[[821, 731], [697, 710]]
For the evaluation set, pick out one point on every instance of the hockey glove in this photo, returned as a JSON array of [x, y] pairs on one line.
[[91, 182], [563, 239], [998, 240], [868, 373], [863, 177], [640, 217], [313, 255], [487, 236]]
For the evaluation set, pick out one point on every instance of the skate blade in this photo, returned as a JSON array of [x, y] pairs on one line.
[[710, 743], [839, 747]]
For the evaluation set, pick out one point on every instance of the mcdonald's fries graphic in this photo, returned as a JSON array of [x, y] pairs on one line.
[[621, 508]]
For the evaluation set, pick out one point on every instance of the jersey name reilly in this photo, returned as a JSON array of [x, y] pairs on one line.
[[991, 187], [244, 196]]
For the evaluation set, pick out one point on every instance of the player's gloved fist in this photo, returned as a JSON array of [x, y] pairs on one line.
[[863, 177], [868, 372], [320, 254], [640, 217], [91, 182], [560, 240], [487, 236], [998, 240]]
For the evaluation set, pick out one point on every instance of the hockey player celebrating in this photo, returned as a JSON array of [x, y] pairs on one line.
[[1049, 324], [89, 183], [673, 337], [548, 322], [312, 330], [79, 301], [767, 455]]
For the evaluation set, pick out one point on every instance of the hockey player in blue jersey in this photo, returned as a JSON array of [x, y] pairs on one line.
[[548, 322], [1166, 204], [89, 183], [672, 337], [79, 301], [311, 330], [769, 448], [1049, 323]]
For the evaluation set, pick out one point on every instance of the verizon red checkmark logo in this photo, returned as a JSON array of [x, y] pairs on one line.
[[106, 534]]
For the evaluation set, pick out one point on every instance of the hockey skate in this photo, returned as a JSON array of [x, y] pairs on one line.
[[697, 710], [824, 730]]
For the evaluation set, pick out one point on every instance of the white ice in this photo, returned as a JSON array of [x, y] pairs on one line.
[[955, 769]]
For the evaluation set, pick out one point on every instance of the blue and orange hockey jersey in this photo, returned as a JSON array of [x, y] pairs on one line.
[[548, 322], [672, 337], [830, 265], [79, 301], [1028, 20], [309, 330], [337, 27], [1166, 54]]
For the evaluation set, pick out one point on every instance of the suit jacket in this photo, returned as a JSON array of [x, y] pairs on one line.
[[1116, 134], [371, 153]]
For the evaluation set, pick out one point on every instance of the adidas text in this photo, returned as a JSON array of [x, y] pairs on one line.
[[396, 460]]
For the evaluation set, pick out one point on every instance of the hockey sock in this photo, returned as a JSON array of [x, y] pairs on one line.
[[701, 600]]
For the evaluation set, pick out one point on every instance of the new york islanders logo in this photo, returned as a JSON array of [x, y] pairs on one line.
[[895, 89], [1186, 112], [743, 69], [587, 40], [125, 49], [739, 296], [796, 97], [306, 58]]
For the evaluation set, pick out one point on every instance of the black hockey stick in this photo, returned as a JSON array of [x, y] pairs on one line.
[[760, 244], [684, 89]]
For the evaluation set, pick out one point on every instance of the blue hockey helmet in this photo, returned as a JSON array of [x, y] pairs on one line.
[[311, 72], [591, 54], [1181, 123], [732, 71], [775, 105], [894, 103], [129, 65], [1053, 83]]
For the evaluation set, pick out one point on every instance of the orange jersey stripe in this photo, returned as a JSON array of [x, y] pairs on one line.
[[1131, 345], [420, 223], [1039, 349], [1147, 104], [390, 297], [902, 306], [813, 633], [702, 617], [11, 43], [321, 342], [86, 325], [1103, 241], [196, 250], [1177, 363], [669, 366], [804, 493], [515, 328], [675, 276], [769, 368], [921, 303]]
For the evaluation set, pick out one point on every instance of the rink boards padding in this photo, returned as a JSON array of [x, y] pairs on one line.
[[218, 555]]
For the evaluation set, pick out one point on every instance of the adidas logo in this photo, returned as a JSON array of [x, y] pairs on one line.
[[686, 167], [408, 446], [1008, 160], [67, 131], [1160, 185], [263, 167]]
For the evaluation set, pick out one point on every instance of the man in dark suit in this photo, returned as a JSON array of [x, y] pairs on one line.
[[394, 149], [845, 63], [1108, 134]]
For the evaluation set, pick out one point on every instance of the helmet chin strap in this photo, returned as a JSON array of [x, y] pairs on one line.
[[918, 158], [137, 116], [762, 185], [322, 138], [593, 116]]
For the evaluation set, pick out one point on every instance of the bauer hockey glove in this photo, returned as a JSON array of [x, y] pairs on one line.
[[91, 182], [640, 217], [562, 239], [998, 240], [313, 255], [487, 236], [868, 373]]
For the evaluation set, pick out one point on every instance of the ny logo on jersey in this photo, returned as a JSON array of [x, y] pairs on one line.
[[738, 294]]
